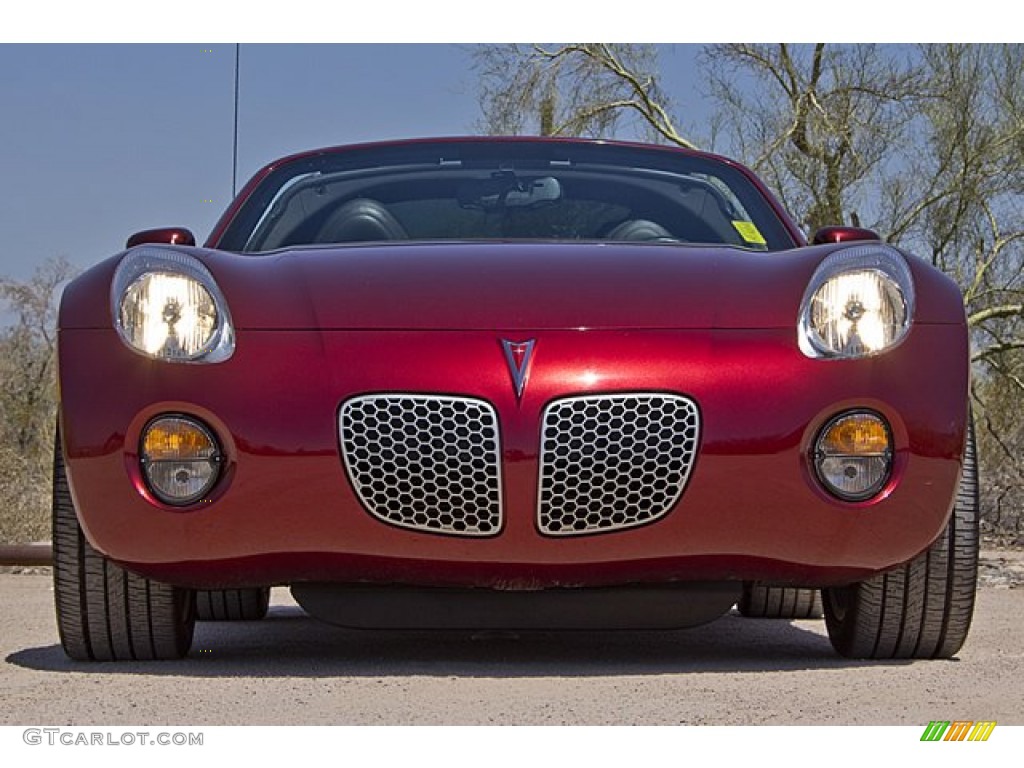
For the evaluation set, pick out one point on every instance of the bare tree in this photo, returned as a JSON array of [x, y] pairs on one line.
[[577, 89], [1001, 444], [928, 141], [28, 399], [966, 210], [815, 121]]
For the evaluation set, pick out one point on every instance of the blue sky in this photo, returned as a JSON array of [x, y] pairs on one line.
[[99, 141]]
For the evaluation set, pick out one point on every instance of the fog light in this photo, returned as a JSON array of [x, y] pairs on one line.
[[853, 455], [180, 458]]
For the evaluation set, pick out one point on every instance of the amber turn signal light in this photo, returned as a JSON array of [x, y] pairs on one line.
[[853, 455], [180, 459]]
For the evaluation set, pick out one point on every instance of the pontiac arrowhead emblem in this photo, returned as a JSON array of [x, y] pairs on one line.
[[518, 355]]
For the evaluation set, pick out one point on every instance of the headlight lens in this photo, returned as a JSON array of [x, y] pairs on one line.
[[166, 305], [859, 303], [168, 315]]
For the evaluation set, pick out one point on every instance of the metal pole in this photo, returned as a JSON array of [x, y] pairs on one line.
[[234, 161], [26, 554]]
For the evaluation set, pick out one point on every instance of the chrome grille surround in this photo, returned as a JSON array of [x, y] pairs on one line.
[[426, 462], [615, 461]]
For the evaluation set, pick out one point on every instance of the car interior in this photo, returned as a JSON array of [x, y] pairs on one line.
[[578, 204]]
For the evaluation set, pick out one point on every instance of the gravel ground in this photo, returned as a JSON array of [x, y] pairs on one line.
[[1001, 568], [290, 669]]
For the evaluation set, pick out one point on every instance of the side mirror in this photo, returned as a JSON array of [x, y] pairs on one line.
[[168, 235], [843, 235]]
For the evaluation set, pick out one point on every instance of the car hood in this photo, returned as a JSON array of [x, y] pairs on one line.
[[528, 286], [508, 286]]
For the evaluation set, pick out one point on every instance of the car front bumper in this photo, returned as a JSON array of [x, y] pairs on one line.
[[285, 509]]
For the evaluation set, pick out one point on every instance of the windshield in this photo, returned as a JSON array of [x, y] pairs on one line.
[[502, 190]]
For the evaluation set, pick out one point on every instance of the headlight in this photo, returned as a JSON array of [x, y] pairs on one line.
[[166, 305], [859, 302]]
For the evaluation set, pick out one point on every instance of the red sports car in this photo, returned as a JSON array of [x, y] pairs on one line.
[[513, 383]]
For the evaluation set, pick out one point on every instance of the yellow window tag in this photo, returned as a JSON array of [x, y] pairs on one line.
[[749, 232]]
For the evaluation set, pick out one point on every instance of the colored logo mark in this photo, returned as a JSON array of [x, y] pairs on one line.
[[958, 730]]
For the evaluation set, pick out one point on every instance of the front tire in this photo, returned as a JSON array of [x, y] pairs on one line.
[[921, 610], [105, 613]]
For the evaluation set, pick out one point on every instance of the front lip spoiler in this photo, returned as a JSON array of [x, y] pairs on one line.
[[368, 570], [664, 606]]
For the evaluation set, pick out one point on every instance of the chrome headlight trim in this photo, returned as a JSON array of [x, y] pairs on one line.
[[875, 263], [149, 262]]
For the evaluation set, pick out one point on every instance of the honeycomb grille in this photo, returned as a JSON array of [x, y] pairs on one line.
[[610, 462], [425, 462]]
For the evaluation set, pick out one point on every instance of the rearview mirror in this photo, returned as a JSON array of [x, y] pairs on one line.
[[505, 190], [168, 235]]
